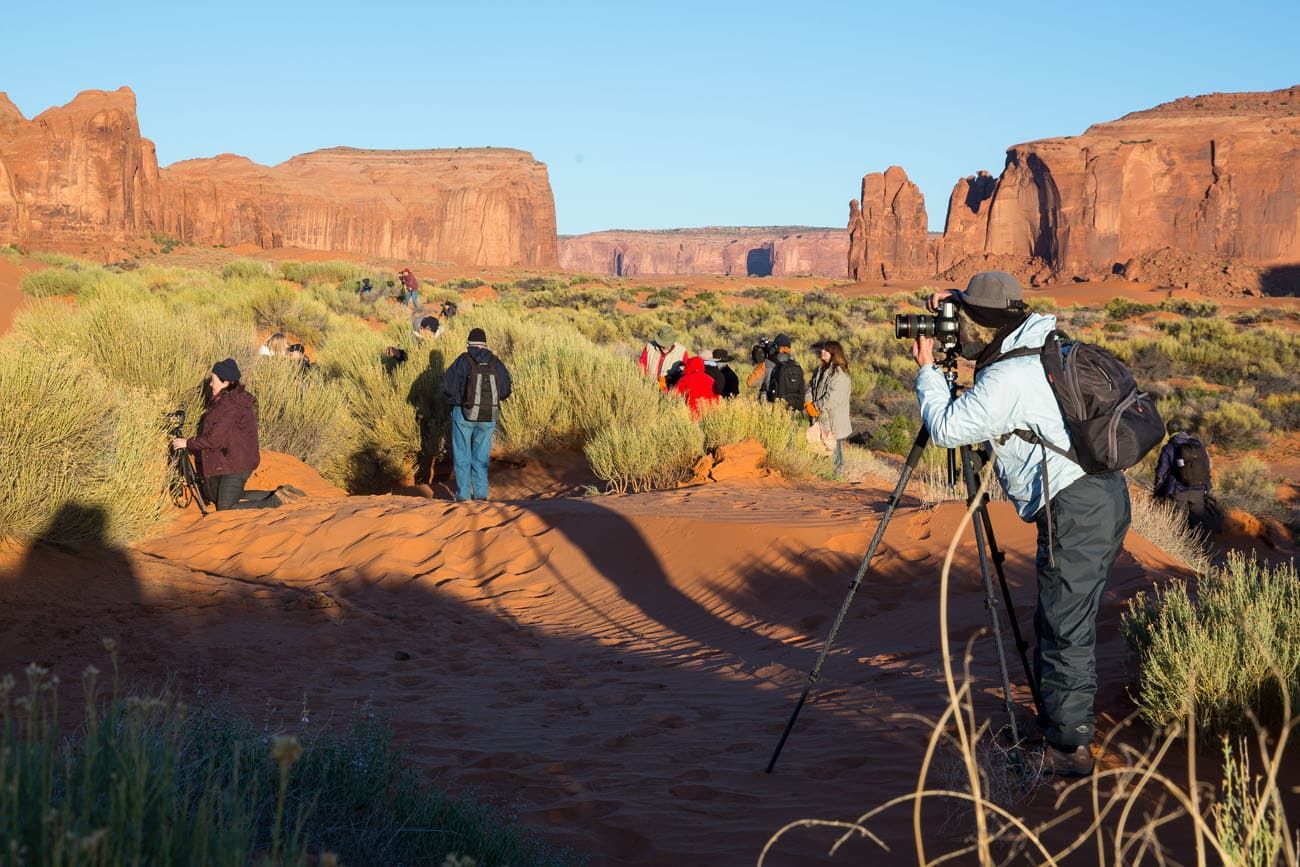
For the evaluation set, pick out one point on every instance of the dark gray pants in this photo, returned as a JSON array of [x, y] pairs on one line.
[[1089, 520], [227, 492]]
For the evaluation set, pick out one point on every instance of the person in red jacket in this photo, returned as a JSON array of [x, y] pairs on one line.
[[696, 385], [227, 444]]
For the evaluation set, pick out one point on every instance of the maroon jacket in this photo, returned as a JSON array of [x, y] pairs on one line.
[[227, 440]]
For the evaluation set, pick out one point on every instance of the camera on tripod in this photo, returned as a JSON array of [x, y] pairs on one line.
[[764, 350], [942, 326]]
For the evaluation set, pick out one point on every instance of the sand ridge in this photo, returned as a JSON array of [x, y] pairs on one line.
[[614, 669]]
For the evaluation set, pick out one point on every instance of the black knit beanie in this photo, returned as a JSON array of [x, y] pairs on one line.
[[226, 370]]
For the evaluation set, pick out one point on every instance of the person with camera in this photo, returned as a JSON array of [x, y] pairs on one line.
[[780, 377], [474, 385], [227, 444], [827, 400], [410, 288], [1183, 478], [717, 364], [1080, 531], [664, 358]]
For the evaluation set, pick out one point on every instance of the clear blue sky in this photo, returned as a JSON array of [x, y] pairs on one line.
[[656, 114]]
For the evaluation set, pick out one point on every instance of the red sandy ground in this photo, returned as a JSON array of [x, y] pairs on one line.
[[615, 669]]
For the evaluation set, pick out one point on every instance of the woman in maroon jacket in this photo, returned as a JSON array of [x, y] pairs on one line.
[[227, 443]]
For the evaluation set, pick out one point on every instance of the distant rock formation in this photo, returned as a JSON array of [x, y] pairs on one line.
[[80, 176], [76, 173], [1213, 178], [472, 206], [756, 252], [888, 230]]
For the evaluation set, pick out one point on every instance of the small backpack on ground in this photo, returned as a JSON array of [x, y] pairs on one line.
[[1112, 424], [482, 391], [1192, 464], [786, 383]]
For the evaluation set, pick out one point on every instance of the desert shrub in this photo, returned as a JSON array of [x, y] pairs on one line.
[[1119, 309], [301, 413], [779, 430], [82, 457], [277, 307], [154, 781], [320, 272], [62, 260], [1189, 308], [461, 284], [245, 269], [538, 284], [12, 252], [655, 453], [1220, 649], [141, 344], [1248, 485], [77, 282], [1234, 426], [662, 297], [1282, 410]]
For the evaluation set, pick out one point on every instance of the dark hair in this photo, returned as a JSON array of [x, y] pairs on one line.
[[296, 347], [837, 355]]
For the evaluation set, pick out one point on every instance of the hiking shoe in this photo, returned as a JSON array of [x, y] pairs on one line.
[[1058, 762]]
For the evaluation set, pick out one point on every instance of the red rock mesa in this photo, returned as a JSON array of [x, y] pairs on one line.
[[758, 252]]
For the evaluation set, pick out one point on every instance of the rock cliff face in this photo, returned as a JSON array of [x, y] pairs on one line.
[[80, 175], [76, 173], [758, 252], [1215, 177], [468, 206], [888, 230]]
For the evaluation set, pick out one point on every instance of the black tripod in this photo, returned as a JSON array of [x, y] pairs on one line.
[[984, 542]]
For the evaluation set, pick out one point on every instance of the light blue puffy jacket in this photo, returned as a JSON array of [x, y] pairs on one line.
[[1007, 396]]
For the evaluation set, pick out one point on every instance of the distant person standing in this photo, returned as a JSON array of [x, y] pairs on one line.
[[828, 396], [474, 385], [1183, 476], [410, 288], [659, 356]]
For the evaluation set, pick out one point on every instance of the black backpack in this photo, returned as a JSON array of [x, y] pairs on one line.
[[1112, 424], [1192, 464], [786, 383], [482, 391]]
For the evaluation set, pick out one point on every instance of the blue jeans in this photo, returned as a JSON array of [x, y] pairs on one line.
[[471, 444], [838, 458]]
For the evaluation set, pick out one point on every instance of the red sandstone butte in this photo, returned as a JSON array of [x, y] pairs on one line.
[[888, 230], [468, 206], [81, 176], [76, 174], [757, 252], [1215, 176]]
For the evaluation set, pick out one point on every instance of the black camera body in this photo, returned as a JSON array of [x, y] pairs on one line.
[[942, 326], [764, 350]]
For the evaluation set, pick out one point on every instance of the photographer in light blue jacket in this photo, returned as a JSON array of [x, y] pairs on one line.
[[1089, 514]]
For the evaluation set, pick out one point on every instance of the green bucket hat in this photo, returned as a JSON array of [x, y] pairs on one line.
[[666, 336]]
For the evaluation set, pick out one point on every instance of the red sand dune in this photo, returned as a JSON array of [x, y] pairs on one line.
[[614, 669]]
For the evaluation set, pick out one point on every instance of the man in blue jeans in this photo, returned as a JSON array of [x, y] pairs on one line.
[[474, 385]]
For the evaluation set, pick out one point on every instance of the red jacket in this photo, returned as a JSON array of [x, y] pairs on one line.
[[696, 384], [227, 440]]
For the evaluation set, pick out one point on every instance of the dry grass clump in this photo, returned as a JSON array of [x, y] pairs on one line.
[[82, 457], [300, 413], [1164, 524], [150, 780], [1232, 649], [78, 279], [245, 269], [656, 453], [320, 272]]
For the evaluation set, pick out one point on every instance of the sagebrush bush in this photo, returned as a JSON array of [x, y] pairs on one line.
[[324, 272], [82, 457], [1234, 426], [304, 414], [1165, 525], [656, 453], [76, 282], [277, 307], [1223, 648], [1248, 485], [246, 269]]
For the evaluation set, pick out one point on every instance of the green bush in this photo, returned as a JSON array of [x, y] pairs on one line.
[[153, 781], [1189, 308], [82, 457], [658, 452], [1119, 309], [301, 413], [76, 282], [1221, 649], [320, 272], [245, 269], [1249, 485], [277, 307], [1234, 426]]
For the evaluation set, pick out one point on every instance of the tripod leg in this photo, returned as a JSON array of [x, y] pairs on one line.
[[1021, 644], [913, 459], [991, 603]]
